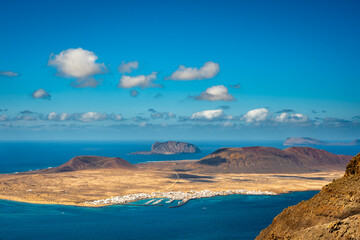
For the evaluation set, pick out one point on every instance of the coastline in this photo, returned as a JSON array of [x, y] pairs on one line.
[[172, 195], [165, 196]]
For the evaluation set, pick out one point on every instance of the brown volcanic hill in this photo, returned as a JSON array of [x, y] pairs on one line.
[[91, 162], [317, 158], [270, 160], [334, 213]]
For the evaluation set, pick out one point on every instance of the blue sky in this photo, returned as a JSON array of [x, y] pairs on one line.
[[251, 69]]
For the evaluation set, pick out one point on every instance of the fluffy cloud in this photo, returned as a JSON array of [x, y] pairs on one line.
[[77, 63], [336, 122], [157, 115], [286, 117], [53, 116], [256, 115], [83, 117], [117, 117], [41, 93], [8, 74], [210, 115], [209, 70], [92, 116], [142, 81], [134, 93], [128, 67], [215, 93]]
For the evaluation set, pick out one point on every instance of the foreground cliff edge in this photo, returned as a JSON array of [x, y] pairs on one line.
[[334, 213], [98, 181]]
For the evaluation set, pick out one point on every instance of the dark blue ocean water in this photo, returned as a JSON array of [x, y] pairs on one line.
[[226, 217]]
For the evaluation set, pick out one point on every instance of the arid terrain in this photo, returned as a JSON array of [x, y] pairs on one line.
[[334, 213], [88, 178]]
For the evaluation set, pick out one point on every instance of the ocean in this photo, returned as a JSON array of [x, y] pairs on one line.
[[224, 217]]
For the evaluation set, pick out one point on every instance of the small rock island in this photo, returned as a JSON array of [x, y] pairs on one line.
[[169, 148], [304, 141]]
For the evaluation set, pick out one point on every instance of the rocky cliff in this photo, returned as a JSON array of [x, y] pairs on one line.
[[270, 160], [170, 147], [334, 213]]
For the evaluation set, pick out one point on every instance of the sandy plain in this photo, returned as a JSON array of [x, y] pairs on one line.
[[78, 188]]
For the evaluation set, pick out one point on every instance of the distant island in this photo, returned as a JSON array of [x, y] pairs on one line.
[[169, 148], [99, 181], [334, 213], [302, 141]]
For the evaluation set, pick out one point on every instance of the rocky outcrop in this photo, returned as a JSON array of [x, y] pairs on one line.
[[170, 147], [334, 213], [90, 162], [303, 141], [270, 160]]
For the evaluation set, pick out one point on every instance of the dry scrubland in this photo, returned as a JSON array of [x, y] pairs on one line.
[[88, 178], [79, 187]]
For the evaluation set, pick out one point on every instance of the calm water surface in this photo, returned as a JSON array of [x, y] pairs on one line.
[[225, 217]]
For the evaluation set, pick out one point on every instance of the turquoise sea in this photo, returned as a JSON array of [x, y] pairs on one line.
[[225, 217]]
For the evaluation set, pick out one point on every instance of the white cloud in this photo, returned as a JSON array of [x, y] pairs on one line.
[[156, 115], [117, 117], [92, 116], [83, 117], [77, 63], [8, 74], [291, 118], [142, 81], [210, 115], [256, 115], [209, 70], [53, 116], [128, 67], [41, 93], [215, 93]]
